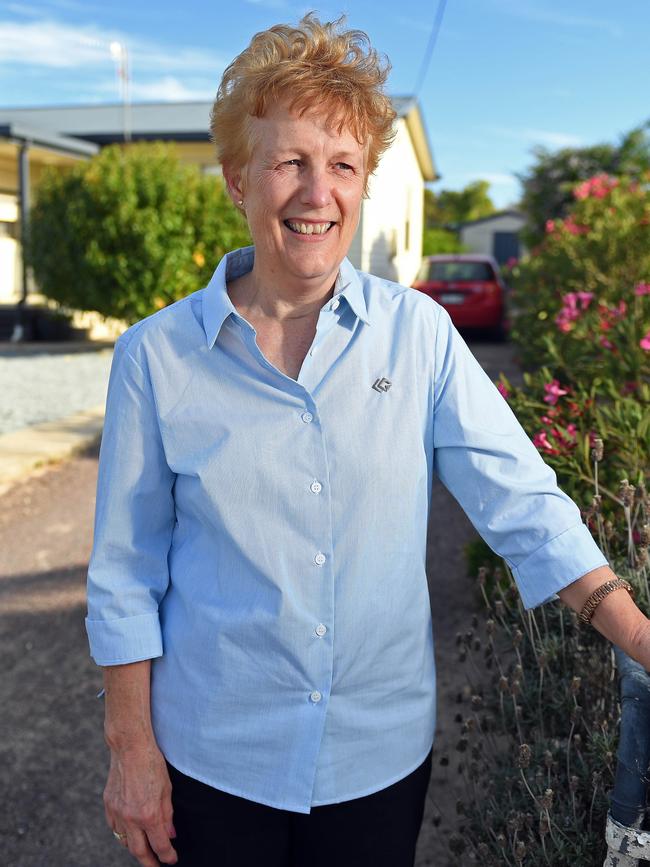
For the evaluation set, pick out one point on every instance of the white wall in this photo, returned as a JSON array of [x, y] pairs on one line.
[[355, 253], [393, 210], [10, 262]]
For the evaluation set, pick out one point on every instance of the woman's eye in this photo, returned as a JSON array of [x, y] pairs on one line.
[[294, 162], [345, 166]]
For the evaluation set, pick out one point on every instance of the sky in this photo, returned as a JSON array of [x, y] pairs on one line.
[[505, 76]]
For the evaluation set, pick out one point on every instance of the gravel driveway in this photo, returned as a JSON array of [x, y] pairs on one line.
[[43, 385]]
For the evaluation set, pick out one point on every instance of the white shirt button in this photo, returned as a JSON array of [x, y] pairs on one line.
[[307, 417], [321, 629], [335, 303], [319, 559], [315, 487], [315, 696]]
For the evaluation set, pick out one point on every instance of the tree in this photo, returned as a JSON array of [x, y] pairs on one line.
[[548, 185], [436, 241], [129, 231], [452, 207], [444, 211]]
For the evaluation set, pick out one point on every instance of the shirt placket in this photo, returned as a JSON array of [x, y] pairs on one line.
[[316, 562]]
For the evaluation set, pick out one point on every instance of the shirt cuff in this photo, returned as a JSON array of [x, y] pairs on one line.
[[556, 564], [127, 639]]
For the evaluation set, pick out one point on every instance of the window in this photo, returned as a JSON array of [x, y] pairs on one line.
[[442, 271]]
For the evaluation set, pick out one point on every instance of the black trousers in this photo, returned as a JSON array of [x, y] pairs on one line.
[[216, 829]]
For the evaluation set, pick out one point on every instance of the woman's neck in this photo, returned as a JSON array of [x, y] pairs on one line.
[[261, 299]]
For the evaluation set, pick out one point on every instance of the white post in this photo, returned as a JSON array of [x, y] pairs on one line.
[[120, 55]]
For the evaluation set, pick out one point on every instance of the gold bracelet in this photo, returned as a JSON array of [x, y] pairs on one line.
[[599, 594]]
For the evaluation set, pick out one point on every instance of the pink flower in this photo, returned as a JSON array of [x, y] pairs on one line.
[[503, 391], [642, 289], [574, 303], [605, 343], [573, 228], [541, 441], [550, 227], [599, 186], [512, 261], [553, 392], [644, 343], [581, 191]]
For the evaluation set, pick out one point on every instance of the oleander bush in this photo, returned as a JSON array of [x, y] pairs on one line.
[[581, 324], [540, 714], [129, 231], [587, 283], [566, 418]]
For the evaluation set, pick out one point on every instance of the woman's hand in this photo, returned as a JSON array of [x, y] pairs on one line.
[[138, 793], [138, 803]]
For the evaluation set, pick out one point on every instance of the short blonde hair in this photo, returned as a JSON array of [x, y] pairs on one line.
[[313, 64]]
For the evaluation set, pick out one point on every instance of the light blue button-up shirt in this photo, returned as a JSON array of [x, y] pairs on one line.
[[262, 539]]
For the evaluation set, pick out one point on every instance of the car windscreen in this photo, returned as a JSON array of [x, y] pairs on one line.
[[456, 271]]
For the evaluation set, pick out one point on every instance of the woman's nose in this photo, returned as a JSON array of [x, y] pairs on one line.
[[316, 189]]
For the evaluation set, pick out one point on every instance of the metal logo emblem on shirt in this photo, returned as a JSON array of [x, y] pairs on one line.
[[382, 384]]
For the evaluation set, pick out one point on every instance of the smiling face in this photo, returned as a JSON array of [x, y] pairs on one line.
[[302, 189]]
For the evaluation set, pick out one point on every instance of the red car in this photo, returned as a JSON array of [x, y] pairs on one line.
[[469, 286]]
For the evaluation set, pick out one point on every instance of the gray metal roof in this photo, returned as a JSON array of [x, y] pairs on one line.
[[52, 141], [103, 123]]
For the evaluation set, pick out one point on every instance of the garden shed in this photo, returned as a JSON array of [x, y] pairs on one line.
[[497, 235]]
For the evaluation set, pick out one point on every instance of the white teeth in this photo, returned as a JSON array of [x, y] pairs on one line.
[[309, 228]]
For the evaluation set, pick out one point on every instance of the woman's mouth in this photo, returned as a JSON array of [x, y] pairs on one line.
[[308, 228]]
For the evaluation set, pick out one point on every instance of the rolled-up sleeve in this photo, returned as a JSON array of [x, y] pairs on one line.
[[486, 460], [134, 520]]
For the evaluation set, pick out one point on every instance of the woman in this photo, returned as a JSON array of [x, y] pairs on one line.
[[257, 592]]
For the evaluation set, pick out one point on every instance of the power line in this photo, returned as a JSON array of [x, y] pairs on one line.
[[435, 30]]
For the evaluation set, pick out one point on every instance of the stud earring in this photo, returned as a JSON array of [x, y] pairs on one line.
[[240, 202]]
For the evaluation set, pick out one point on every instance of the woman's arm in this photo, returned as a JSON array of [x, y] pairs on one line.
[[616, 617], [137, 797]]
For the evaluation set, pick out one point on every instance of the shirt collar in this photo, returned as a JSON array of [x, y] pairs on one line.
[[217, 305]]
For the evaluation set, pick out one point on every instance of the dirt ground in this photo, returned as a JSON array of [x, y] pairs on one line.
[[52, 758]]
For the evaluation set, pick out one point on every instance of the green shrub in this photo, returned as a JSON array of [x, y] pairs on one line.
[[130, 231], [582, 328], [566, 418], [548, 184], [580, 283], [539, 742]]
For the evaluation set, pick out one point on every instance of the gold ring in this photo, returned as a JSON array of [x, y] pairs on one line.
[[119, 836]]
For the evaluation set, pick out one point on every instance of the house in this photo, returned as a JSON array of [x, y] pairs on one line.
[[389, 238], [496, 235]]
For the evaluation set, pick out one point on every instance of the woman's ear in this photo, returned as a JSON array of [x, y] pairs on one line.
[[234, 184]]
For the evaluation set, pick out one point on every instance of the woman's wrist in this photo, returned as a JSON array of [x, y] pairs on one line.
[[642, 645]]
